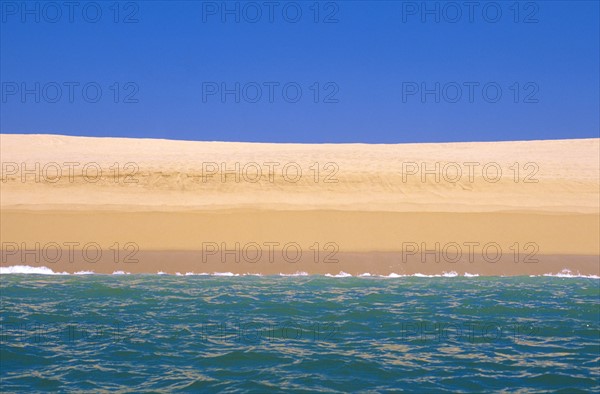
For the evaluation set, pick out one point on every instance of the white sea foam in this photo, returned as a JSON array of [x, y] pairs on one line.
[[225, 274], [298, 273], [342, 274], [566, 273], [450, 274], [25, 269], [84, 273], [393, 275], [209, 274]]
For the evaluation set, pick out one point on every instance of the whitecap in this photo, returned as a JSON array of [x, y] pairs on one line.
[[566, 273], [297, 273], [342, 274], [394, 275], [450, 274], [84, 273], [225, 274]]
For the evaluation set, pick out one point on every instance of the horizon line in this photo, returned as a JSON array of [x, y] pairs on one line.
[[296, 143]]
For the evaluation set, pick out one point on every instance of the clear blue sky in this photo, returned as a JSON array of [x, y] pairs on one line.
[[376, 72]]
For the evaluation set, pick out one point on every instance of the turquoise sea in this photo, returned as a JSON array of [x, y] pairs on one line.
[[158, 333]]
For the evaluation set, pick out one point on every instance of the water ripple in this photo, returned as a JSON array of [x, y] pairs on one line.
[[258, 334]]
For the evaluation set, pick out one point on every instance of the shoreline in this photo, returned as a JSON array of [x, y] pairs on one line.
[[350, 264]]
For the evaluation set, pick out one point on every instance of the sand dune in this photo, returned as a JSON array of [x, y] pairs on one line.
[[501, 208]]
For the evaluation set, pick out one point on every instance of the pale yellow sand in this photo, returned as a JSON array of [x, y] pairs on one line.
[[363, 207]]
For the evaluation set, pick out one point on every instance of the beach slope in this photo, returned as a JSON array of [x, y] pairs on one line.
[[105, 205]]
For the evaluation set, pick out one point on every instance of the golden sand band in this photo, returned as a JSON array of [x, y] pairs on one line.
[[501, 208]]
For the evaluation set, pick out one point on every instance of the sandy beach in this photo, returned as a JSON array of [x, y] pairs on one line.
[[142, 206]]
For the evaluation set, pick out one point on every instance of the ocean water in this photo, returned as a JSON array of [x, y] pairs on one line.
[[161, 333]]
